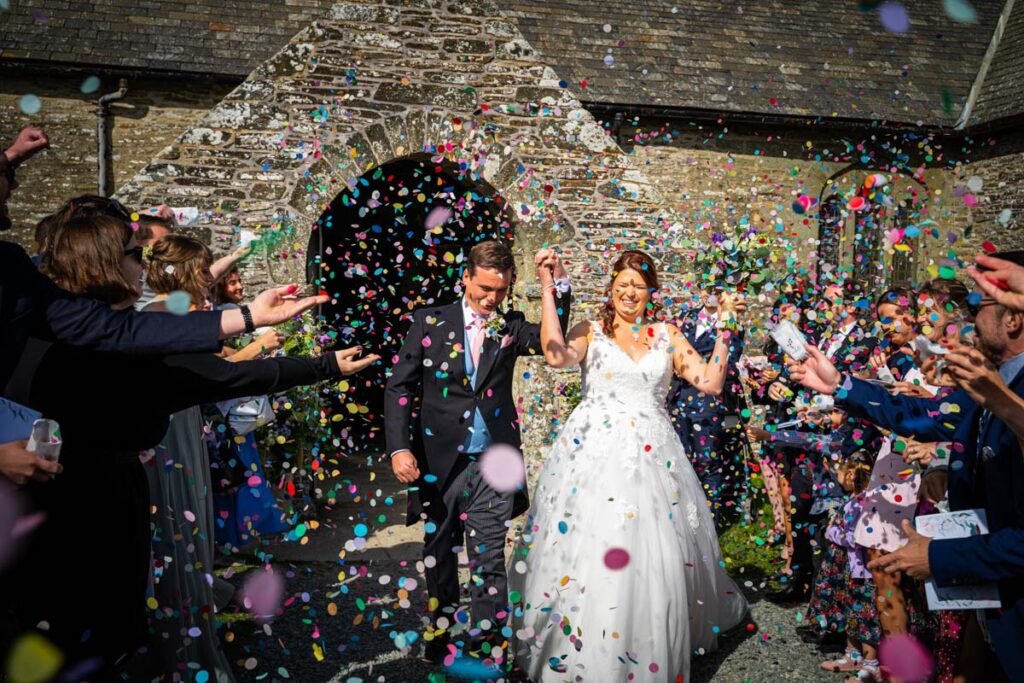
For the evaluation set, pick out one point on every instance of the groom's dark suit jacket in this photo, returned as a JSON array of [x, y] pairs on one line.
[[429, 401]]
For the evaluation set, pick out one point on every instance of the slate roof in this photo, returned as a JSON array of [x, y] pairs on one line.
[[768, 57], [783, 57], [1001, 94], [217, 37]]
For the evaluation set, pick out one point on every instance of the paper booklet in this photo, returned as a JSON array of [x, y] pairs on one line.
[[959, 524]]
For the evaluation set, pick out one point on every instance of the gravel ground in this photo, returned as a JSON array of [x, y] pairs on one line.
[[352, 652], [339, 619]]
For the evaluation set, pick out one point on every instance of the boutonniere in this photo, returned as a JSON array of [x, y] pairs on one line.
[[496, 329]]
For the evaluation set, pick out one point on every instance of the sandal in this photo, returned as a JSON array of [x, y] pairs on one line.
[[869, 673], [849, 663]]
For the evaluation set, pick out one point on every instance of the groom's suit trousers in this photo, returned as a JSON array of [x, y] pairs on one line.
[[474, 516]]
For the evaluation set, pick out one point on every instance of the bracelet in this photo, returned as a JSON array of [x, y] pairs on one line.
[[250, 327]]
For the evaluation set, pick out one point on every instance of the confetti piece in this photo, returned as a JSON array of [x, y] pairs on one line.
[[33, 659], [30, 104], [894, 17], [960, 11], [905, 658], [178, 302], [90, 85], [616, 558], [502, 468], [262, 594]]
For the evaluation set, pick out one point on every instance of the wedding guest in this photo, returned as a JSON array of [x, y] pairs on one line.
[[105, 423], [842, 600], [41, 238], [892, 494], [984, 470], [846, 339], [183, 625], [30, 304], [245, 505], [230, 289], [711, 427]]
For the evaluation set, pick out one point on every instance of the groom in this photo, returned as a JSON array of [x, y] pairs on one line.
[[448, 400]]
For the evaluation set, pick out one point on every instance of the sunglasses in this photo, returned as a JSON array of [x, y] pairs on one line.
[[974, 308], [135, 253]]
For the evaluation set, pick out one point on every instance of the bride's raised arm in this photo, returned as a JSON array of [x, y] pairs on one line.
[[558, 351], [706, 376]]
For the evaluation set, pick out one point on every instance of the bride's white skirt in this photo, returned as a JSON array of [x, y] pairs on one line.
[[610, 484]]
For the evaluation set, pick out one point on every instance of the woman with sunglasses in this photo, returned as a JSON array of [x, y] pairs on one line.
[[110, 408]]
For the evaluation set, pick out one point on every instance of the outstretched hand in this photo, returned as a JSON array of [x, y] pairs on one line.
[[1003, 281], [20, 465], [816, 372], [350, 364], [278, 304]]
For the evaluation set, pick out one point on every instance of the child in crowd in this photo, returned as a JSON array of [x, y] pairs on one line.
[[843, 594]]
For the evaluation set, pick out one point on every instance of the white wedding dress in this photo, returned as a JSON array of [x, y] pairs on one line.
[[617, 479]]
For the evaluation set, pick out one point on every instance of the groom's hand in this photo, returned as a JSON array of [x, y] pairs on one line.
[[403, 464]]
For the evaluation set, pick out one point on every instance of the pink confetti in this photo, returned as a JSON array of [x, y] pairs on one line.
[[616, 558], [439, 215], [905, 658], [502, 467], [263, 593]]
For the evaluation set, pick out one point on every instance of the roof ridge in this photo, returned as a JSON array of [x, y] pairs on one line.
[[986, 63]]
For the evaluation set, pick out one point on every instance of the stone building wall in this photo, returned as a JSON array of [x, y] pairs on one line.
[[999, 217], [150, 118], [370, 83], [731, 172]]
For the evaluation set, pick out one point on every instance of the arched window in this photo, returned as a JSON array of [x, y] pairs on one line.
[[869, 223]]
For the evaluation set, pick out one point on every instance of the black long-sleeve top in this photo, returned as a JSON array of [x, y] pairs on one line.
[[111, 406], [31, 305]]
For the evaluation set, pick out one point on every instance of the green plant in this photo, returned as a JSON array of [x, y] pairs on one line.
[[303, 414]]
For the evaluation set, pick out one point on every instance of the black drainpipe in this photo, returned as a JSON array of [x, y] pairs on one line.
[[103, 137]]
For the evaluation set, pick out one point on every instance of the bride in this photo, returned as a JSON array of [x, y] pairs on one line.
[[617, 574]]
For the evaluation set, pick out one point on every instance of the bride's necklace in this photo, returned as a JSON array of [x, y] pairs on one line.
[[636, 339]]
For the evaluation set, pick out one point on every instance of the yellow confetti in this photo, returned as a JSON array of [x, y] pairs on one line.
[[33, 659], [318, 652]]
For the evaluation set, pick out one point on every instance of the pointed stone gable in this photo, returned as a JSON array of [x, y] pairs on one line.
[[366, 84]]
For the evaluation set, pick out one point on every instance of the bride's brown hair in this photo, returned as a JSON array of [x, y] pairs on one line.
[[639, 261]]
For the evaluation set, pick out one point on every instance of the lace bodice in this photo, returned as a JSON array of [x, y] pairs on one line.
[[609, 374]]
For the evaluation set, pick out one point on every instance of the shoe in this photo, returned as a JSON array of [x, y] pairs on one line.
[[436, 649], [848, 663], [794, 591]]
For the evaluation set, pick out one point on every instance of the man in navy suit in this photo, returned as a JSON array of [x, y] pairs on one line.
[[986, 467], [711, 427]]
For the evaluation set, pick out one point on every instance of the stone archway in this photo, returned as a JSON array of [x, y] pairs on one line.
[[393, 242]]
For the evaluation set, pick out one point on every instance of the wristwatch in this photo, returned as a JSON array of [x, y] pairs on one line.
[[250, 327]]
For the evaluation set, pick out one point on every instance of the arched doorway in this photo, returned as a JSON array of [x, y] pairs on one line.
[[390, 244]]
